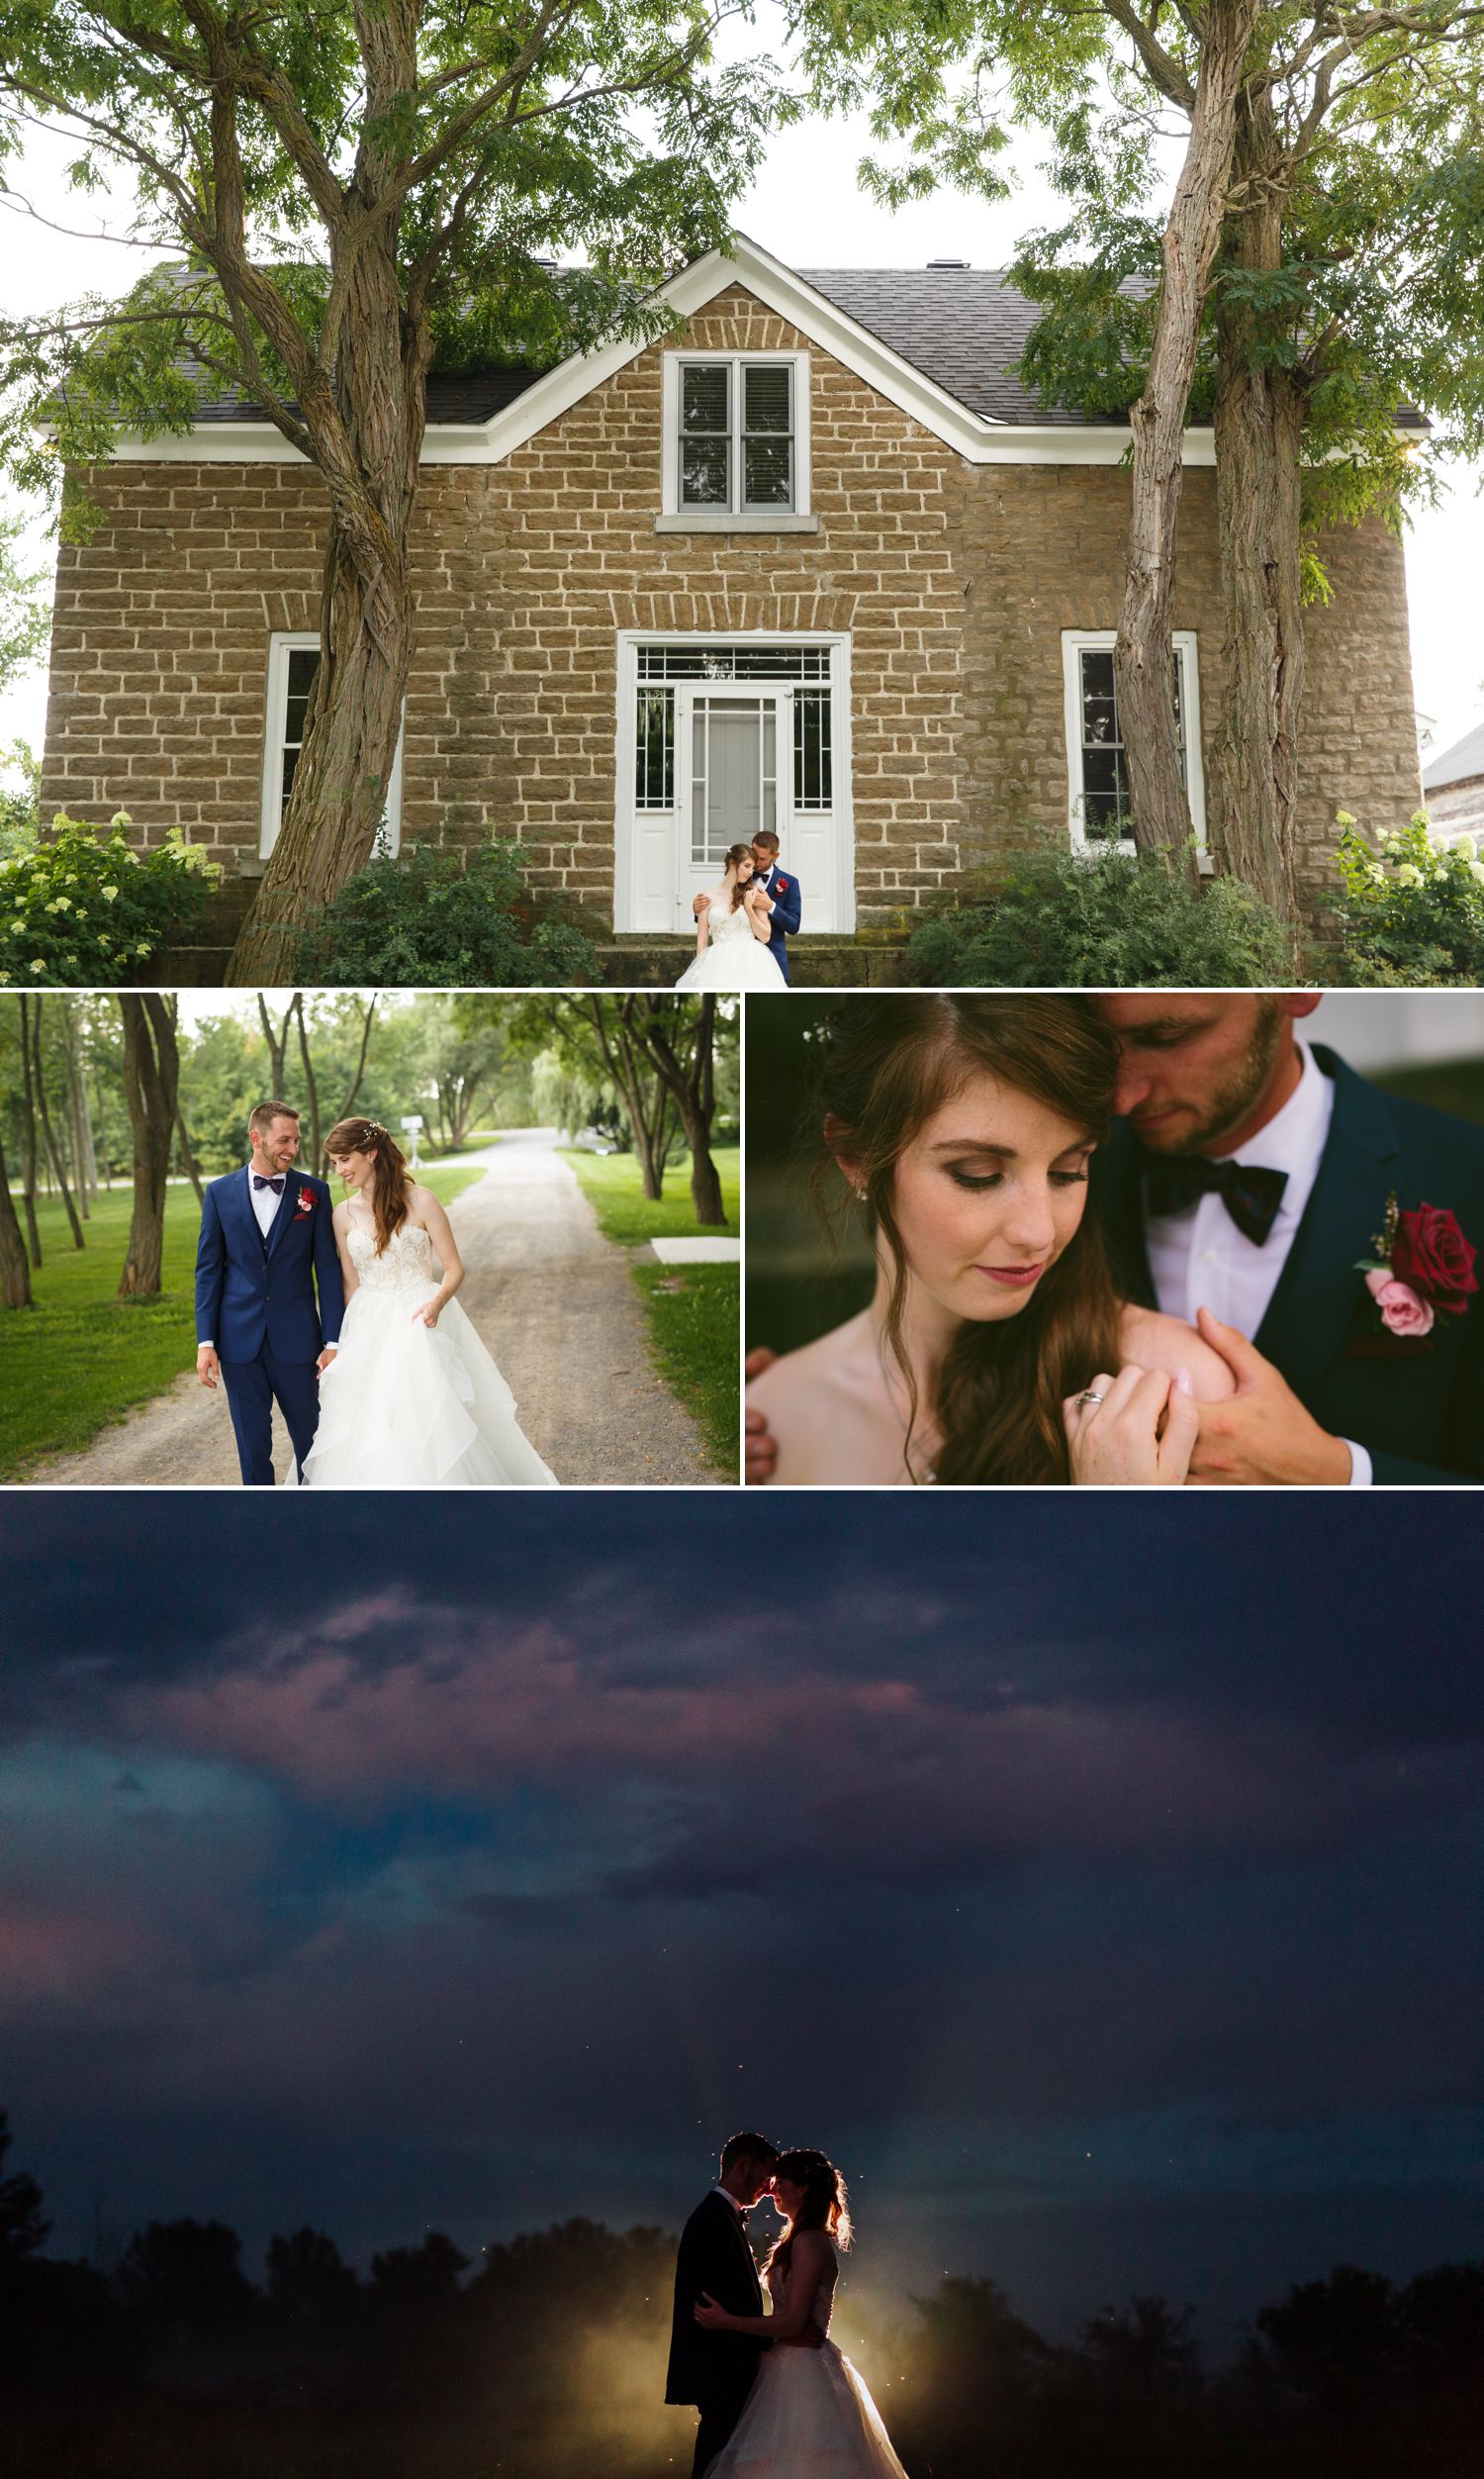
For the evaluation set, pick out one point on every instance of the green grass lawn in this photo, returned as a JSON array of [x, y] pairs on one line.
[[693, 1312], [611, 1184], [81, 1357]]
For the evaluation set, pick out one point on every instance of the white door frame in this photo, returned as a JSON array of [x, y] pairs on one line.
[[642, 884]]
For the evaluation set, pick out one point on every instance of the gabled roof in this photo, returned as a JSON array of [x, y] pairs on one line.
[[1458, 765], [939, 349]]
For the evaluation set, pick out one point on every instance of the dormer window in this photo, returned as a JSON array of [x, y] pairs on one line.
[[736, 442]]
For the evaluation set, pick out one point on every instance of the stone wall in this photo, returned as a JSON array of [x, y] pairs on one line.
[[954, 582]]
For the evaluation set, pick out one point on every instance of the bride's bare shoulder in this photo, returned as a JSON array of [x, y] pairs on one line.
[[799, 1379], [1156, 1341]]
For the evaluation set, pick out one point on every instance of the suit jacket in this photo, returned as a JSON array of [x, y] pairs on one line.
[[251, 1290], [783, 922], [713, 2368], [1420, 1412]]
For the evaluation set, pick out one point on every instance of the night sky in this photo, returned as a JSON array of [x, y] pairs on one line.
[[1099, 1881]]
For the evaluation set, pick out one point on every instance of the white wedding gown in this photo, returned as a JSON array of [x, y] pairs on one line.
[[408, 1406], [734, 960], [808, 2415]]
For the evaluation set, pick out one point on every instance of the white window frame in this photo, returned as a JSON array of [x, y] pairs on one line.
[[1077, 641], [281, 645], [674, 517]]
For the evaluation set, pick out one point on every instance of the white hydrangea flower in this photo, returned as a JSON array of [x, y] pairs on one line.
[[121, 817], [110, 895], [1409, 875]]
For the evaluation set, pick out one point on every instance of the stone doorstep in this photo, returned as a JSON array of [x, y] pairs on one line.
[[635, 962]]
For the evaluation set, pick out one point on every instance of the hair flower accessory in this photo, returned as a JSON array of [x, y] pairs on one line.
[[1423, 1269]]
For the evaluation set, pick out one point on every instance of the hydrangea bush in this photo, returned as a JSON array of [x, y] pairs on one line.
[[1412, 912], [446, 918], [80, 908]]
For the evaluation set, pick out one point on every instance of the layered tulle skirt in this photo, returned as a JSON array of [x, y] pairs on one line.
[[807, 2417], [408, 1406]]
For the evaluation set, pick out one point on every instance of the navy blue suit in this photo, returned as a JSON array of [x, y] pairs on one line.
[[1418, 1410], [782, 921], [256, 1302]]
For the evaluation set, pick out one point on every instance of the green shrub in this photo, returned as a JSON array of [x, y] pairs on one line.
[[20, 820], [1411, 916], [1105, 920], [78, 907], [445, 920]]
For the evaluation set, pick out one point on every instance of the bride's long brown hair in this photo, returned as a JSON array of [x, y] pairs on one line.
[[825, 2205], [889, 1063], [390, 1181], [736, 854]]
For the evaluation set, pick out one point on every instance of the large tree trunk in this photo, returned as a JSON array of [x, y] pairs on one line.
[[1143, 654], [15, 1273], [188, 1159], [1260, 418], [151, 1085], [54, 1150], [84, 1155], [370, 462], [311, 1084], [691, 1084], [646, 1101], [28, 1137]]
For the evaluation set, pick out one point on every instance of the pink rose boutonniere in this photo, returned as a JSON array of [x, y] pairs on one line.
[[1423, 1269]]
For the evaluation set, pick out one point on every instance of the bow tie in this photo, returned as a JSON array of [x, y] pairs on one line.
[[1252, 1194], [276, 1185]]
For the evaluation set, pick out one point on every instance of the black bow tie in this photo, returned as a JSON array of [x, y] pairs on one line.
[[1252, 1194], [276, 1185]]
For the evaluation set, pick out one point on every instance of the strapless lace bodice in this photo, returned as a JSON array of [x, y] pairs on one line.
[[405, 1265], [726, 925], [824, 2296]]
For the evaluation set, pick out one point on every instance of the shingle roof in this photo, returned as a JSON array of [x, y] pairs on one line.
[[451, 397], [1458, 765], [965, 327]]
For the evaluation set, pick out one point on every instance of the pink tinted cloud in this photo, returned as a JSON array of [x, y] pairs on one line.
[[873, 1771]]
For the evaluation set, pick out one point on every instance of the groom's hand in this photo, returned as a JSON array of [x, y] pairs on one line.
[[1262, 1433], [208, 1366], [760, 1447], [325, 1357]]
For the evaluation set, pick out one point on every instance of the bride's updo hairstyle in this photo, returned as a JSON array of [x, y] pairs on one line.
[[889, 1063], [736, 853], [389, 1173], [825, 2205]]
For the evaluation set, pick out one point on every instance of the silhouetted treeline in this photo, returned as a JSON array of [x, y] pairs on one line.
[[543, 2358]]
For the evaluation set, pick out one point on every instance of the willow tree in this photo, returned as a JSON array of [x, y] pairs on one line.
[[352, 190]]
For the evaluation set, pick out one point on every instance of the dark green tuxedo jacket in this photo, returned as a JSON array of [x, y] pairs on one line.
[[1420, 1412]]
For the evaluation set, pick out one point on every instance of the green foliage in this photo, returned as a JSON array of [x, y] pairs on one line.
[[20, 820], [611, 1183], [432, 918], [25, 606], [1102, 921], [1411, 914], [692, 1313], [81, 909]]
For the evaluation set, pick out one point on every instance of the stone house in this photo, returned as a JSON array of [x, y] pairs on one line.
[[1454, 787], [815, 560]]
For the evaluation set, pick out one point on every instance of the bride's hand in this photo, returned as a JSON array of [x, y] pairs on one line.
[[1142, 1434], [711, 2318], [428, 1315]]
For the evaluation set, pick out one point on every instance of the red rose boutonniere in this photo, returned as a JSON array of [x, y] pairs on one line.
[[306, 1200], [783, 886], [1423, 1269]]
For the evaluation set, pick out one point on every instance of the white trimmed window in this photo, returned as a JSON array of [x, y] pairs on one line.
[[293, 660], [736, 451], [1097, 773]]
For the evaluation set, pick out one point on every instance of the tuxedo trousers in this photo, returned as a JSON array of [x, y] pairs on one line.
[[254, 1387], [718, 2417]]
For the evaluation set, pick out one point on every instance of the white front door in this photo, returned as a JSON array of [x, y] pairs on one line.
[[719, 739], [734, 748]]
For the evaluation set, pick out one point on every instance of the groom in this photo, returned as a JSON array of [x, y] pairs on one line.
[[784, 904], [268, 1247], [715, 2370]]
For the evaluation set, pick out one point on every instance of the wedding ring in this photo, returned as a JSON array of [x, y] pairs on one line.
[[1090, 1395]]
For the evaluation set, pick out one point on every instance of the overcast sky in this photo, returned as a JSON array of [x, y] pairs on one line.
[[807, 209], [1097, 1880]]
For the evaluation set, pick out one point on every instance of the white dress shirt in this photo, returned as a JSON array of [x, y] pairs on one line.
[[1198, 1258]]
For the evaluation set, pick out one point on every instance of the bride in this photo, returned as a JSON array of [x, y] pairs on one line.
[[413, 1399], [808, 2414], [994, 1349], [732, 934]]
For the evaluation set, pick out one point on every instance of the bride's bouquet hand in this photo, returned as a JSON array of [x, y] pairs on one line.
[[1136, 1430]]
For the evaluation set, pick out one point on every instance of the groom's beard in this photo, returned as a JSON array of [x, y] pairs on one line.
[[1233, 1100]]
